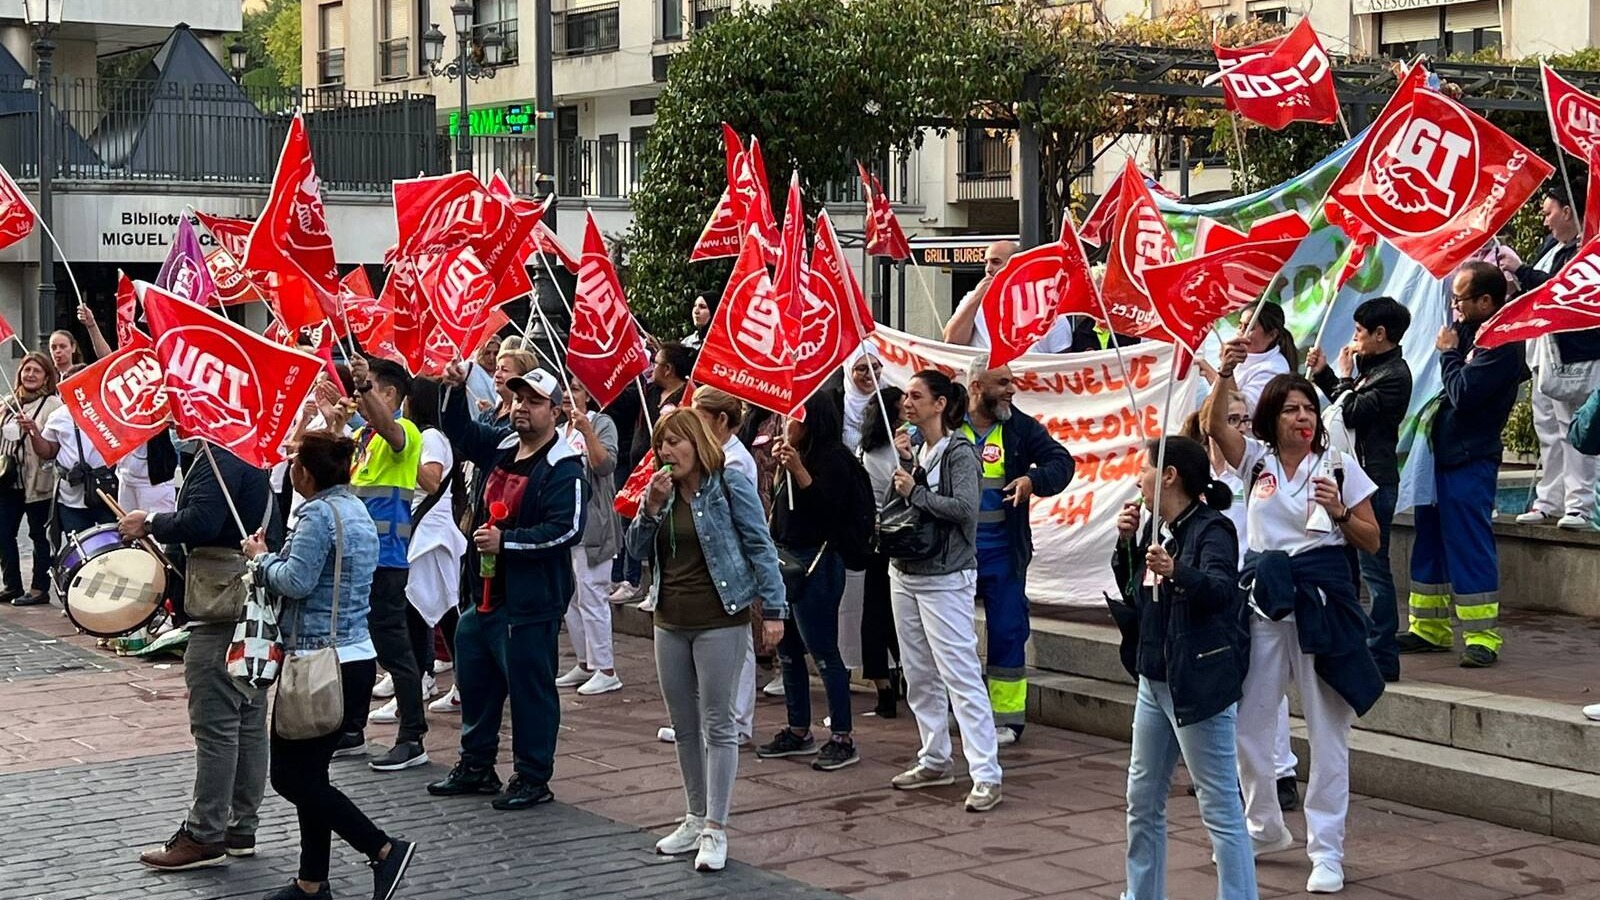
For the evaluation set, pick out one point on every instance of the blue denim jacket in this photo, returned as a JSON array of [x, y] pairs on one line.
[[734, 538], [302, 572]]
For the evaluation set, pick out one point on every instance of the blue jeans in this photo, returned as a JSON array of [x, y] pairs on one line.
[[1208, 752], [1379, 577], [814, 629]]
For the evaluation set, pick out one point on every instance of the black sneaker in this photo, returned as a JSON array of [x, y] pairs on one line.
[[836, 754], [10, 594], [387, 872], [1416, 643], [1288, 794], [291, 891], [787, 743], [239, 844], [32, 598], [404, 755], [522, 794], [1476, 657], [466, 780], [351, 743]]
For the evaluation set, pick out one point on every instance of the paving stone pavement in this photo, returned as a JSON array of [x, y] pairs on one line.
[[26, 653], [73, 831]]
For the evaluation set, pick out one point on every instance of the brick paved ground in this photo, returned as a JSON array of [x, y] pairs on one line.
[[75, 746]]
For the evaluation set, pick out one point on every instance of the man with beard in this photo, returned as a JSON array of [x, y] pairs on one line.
[[1020, 461], [506, 642]]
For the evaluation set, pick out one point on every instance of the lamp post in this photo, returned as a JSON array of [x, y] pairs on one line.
[[463, 67], [238, 58], [44, 17]]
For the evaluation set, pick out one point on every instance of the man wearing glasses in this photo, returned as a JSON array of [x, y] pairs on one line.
[[1454, 557], [1372, 391]]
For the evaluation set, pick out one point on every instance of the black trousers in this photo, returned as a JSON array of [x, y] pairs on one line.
[[880, 648], [300, 776], [391, 637], [13, 510]]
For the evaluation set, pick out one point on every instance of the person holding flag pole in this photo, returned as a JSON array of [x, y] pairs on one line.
[[31, 477]]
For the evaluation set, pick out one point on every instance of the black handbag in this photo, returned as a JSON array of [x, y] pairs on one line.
[[905, 532], [93, 479]]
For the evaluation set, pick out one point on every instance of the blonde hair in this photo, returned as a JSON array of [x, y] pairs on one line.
[[522, 360], [686, 424], [719, 403]]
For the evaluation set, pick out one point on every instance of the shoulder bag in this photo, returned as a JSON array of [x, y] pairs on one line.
[[256, 654], [93, 479], [1564, 381], [214, 580], [310, 701], [905, 532]]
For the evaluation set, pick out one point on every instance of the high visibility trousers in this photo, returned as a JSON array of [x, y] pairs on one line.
[[1001, 589], [1454, 559]]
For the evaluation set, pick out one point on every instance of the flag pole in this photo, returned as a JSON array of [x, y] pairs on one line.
[[1343, 122], [62, 255], [927, 291], [227, 495], [1122, 365], [1238, 146], [1327, 312], [1161, 451]]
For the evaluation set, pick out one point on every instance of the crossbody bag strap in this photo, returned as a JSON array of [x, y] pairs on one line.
[[338, 566]]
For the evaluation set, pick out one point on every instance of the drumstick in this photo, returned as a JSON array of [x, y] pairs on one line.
[[149, 545]]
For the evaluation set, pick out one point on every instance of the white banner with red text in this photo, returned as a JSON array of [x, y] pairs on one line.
[[1083, 400]]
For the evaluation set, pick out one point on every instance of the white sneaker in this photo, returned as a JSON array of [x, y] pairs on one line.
[[386, 714], [1326, 878], [1281, 842], [384, 689], [624, 593], [1005, 736], [441, 666], [430, 687], [648, 604], [684, 839], [713, 853], [1534, 517], [576, 676], [1592, 712], [774, 687], [1571, 522], [449, 703], [985, 795], [600, 683], [666, 734]]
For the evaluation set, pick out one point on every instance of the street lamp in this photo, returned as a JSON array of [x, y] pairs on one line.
[[463, 67], [44, 17], [238, 57]]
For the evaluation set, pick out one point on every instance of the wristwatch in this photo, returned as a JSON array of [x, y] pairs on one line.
[[1345, 517]]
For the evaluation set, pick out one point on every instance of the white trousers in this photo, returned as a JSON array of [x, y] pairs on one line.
[[152, 498], [1275, 659], [589, 613], [1567, 483], [1283, 761], [855, 590], [933, 617]]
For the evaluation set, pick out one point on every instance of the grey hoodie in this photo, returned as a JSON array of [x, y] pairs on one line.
[[954, 503]]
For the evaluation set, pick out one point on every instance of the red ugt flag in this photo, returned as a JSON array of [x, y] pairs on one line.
[[291, 240], [724, 231], [225, 383], [1283, 80], [1139, 239], [747, 352], [884, 237], [1434, 178], [1574, 114], [834, 317], [16, 213], [118, 401], [1569, 301], [1032, 289], [604, 350]]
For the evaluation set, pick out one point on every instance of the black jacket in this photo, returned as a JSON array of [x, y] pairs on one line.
[[201, 517], [1317, 587], [1376, 407], [1575, 346], [1032, 451], [1480, 388], [1192, 638]]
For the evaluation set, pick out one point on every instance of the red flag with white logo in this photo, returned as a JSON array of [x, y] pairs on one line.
[[747, 352], [1191, 294], [1435, 179], [758, 217], [604, 350], [786, 281], [16, 213], [544, 241], [1591, 203], [232, 285], [232, 234], [225, 383], [1097, 225], [1139, 238], [1574, 114], [724, 231], [290, 240], [127, 309], [1283, 80], [460, 293], [371, 319], [1031, 290], [118, 402], [883, 234], [1568, 301], [834, 318], [6, 331]]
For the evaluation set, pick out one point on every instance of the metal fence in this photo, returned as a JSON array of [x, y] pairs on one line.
[[139, 130]]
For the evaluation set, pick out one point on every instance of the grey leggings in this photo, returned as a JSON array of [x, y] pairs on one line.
[[699, 672]]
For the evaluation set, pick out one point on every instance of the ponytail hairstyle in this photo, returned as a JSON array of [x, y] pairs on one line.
[[1193, 465], [1269, 317], [943, 387]]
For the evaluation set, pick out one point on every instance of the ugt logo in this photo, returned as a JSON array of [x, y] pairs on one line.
[[211, 383], [1578, 287], [1426, 171], [757, 323], [1580, 120]]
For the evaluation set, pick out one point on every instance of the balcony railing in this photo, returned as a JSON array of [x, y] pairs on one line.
[[983, 166], [898, 178], [581, 32], [330, 67], [121, 130], [602, 168]]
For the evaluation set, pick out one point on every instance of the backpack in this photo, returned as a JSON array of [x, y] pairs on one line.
[[858, 523]]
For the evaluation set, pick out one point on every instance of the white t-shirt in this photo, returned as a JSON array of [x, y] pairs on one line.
[[134, 467], [61, 429], [1252, 375], [1279, 505], [1238, 513], [736, 458], [1057, 340], [931, 459], [436, 449]]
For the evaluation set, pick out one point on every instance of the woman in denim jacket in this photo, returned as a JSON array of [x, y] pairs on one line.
[[712, 557], [302, 573]]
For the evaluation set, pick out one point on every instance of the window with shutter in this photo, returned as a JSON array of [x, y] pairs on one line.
[[1403, 35]]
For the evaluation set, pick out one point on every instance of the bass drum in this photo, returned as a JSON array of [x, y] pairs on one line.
[[110, 587]]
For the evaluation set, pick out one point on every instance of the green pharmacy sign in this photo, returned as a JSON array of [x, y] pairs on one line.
[[514, 119]]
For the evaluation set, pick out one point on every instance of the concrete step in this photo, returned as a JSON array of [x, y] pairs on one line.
[[1538, 798], [1484, 722]]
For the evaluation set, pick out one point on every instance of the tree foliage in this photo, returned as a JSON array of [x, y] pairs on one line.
[[271, 39]]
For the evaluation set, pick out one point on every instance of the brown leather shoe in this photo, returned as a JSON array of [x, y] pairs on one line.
[[182, 853]]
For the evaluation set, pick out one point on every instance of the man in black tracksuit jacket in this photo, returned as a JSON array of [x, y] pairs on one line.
[[506, 642]]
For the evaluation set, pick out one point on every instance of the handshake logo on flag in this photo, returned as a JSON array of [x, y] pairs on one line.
[[1427, 171]]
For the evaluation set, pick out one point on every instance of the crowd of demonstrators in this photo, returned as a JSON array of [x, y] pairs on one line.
[[27, 480]]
